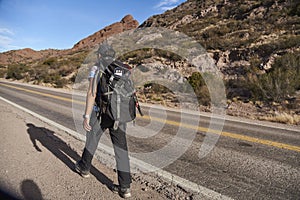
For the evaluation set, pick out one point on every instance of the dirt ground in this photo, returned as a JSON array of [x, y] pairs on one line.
[[37, 163]]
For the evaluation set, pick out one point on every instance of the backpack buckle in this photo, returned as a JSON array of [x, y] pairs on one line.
[[116, 125]]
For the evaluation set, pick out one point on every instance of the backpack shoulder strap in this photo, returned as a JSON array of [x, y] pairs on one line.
[[98, 75]]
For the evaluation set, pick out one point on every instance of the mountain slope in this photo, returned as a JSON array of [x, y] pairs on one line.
[[256, 46], [237, 31], [249, 41]]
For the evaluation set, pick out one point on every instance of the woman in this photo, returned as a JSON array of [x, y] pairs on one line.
[[95, 125]]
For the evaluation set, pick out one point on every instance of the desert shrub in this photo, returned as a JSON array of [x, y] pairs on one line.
[[201, 91], [295, 10], [167, 54], [53, 78], [40, 72], [266, 50], [76, 61], [65, 70], [237, 88], [50, 62], [60, 83], [73, 78], [16, 71], [50, 78], [157, 88], [2, 72], [196, 80], [138, 56], [282, 81]]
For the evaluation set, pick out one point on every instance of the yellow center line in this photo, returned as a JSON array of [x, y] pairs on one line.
[[44, 94], [188, 126], [227, 134]]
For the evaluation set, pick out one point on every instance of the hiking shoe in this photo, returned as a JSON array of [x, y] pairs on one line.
[[80, 171], [123, 192], [115, 189]]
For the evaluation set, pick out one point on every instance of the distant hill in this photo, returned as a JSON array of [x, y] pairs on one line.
[[28, 55], [55, 67]]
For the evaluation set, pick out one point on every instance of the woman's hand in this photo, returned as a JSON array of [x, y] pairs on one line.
[[86, 124]]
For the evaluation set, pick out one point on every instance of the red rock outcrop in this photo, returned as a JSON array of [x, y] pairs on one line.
[[127, 23]]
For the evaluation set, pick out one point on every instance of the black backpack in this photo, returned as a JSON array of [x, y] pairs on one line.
[[116, 95]]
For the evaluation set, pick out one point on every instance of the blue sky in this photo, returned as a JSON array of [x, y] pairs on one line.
[[59, 24]]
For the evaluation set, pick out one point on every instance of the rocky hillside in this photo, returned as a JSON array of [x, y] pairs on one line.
[[28, 55], [127, 23], [52, 67], [241, 35], [254, 43]]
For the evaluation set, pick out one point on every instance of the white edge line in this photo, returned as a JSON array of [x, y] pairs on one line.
[[164, 174]]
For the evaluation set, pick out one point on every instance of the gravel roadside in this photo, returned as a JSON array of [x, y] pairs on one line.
[[37, 163]]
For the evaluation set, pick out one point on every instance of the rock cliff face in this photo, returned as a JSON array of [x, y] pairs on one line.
[[127, 23]]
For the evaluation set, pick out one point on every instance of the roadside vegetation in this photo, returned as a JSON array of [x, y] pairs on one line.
[[56, 71]]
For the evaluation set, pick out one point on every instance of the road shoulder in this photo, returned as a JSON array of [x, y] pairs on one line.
[[37, 159]]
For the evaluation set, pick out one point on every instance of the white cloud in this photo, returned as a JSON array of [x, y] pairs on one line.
[[167, 4], [165, 8], [7, 40], [6, 31]]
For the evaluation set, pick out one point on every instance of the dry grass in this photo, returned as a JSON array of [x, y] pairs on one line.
[[285, 118]]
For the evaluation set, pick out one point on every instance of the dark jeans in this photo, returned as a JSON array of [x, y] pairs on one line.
[[118, 138]]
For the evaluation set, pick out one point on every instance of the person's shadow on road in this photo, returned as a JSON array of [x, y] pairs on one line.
[[31, 190], [61, 150]]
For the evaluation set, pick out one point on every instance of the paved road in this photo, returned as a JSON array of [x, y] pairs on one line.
[[250, 160]]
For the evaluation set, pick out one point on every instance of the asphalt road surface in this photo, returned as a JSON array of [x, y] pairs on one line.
[[243, 159]]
